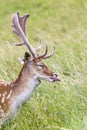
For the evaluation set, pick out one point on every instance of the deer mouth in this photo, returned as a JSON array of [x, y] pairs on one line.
[[54, 79]]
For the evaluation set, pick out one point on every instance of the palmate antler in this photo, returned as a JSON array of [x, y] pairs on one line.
[[18, 24]]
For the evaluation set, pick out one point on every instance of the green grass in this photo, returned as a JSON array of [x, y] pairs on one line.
[[57, 106]]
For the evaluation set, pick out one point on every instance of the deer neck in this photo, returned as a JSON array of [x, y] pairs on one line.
[[23, 88]]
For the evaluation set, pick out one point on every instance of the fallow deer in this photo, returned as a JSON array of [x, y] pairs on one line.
[[14, 94]]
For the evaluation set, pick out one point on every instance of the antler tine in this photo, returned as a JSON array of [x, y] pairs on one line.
[[46, 57], [19, 28], [39, 47], [19, 44], [44, 54]]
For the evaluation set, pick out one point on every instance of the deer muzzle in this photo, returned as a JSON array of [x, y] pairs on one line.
[[55, 78]]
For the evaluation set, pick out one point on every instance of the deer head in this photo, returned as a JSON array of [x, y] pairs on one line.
[[33, 61]]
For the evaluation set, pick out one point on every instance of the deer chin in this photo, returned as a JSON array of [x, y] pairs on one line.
[[54, 79]]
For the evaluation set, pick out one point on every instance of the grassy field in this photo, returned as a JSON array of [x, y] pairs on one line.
[[63, 23]]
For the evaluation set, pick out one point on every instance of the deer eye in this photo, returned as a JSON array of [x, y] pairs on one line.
[[41, 66]]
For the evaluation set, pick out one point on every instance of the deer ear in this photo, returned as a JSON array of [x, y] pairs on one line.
[[21, 60], [27, 56]]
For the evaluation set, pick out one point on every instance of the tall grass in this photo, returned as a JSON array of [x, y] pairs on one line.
[[57, 106]]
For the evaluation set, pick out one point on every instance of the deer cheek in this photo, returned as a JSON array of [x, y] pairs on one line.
[[48, 72]]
